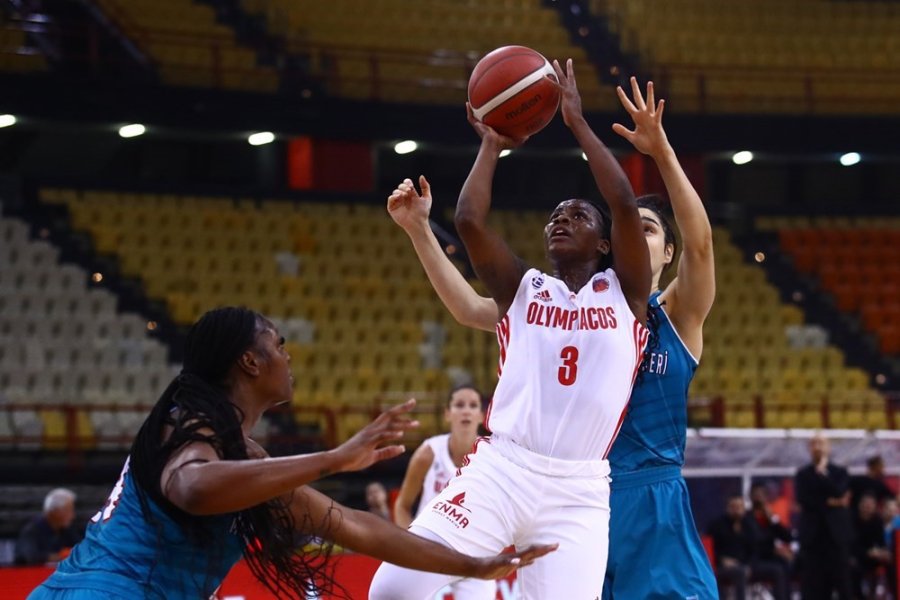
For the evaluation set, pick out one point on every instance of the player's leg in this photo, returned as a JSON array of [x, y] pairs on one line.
[[473, 515], [578, 567], [653, 533], [393, 583]]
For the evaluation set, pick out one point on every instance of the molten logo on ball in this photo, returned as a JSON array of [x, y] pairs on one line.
[[512, 90]]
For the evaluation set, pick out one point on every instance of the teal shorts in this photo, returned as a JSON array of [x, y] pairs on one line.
[[654, 549]]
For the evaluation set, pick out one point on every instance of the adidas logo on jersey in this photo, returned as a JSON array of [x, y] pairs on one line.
[[543, 296]]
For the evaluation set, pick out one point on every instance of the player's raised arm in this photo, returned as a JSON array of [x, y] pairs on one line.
[[410, 211], [493, 261], [690, 296], [631, 259]]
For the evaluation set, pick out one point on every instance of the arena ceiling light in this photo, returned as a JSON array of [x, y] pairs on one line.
[[505, 152], [261, 138], [132, 130], [850, 159], [742, 157], [405, 147], [7, 120]]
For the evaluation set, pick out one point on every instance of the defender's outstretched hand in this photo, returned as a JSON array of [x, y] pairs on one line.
[[648, 135], [366, 447], [407, 207]]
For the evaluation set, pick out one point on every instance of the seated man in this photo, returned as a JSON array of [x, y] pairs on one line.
[[736, 542], [49, 536]]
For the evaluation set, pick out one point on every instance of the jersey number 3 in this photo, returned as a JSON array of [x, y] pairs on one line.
[[569, 369]]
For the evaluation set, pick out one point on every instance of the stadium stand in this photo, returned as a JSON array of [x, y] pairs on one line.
[[16, 53], [357, 48], [188, 45], [66, 348], [766, 56], [390, 336], [854, 259]]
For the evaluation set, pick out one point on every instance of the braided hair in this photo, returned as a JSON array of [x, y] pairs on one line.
[[196, 407]]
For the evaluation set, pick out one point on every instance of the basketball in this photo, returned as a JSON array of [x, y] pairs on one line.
[[509, 91]]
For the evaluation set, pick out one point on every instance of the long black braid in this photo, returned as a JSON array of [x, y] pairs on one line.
[[195, 404]]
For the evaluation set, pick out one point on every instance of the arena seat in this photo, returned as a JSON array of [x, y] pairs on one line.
[[390, 336], [61, 340], [344, 43], [188, 45], [855, 261], [766, 56]]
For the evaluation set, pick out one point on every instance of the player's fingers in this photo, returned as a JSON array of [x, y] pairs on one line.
[[400, 408], [659, 109], [554, 82], [389, 452], [623, 131], [638, 96], [531, 553], [630, 108], [426, 187], [651, 102], [570, 70], [470, 113], [559, 72]]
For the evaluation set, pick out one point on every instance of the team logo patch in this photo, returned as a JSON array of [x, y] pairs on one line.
[[452, 510], [537, 281], [543, 296], [600, 284]]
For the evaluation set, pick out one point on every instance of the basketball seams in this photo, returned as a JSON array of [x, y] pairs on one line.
[[477, 77], [518, 87]]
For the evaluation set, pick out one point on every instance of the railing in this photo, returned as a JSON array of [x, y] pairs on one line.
[[710, 411], [311, 65], [810, 79], [28, 430], [291, 424]]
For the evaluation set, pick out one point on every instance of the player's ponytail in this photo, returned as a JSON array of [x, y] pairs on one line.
[[196, 407]]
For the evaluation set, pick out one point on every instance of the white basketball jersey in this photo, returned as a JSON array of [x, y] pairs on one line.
[[442, 468], [567, 365]]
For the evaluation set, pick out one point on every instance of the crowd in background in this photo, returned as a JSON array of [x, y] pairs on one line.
[[840, 540]]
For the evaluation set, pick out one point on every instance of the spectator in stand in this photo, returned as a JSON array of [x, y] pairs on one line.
[[826, 527], [870, 554], [48, 537], [872, 483], [734, 536], [377, 500], [774, 555], [736, 543]]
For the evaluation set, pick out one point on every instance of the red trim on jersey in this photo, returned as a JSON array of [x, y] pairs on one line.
[[640, 334], [465, 462], [502, 330], [503, 333]]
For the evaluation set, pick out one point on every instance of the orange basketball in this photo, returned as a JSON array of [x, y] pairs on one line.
[[509, 91]]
